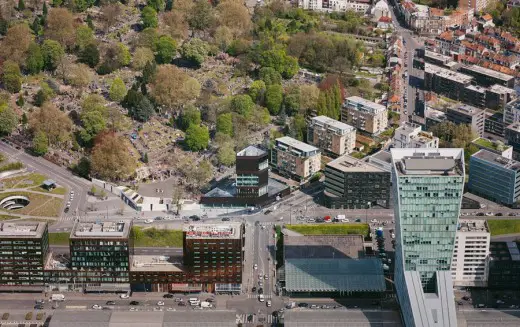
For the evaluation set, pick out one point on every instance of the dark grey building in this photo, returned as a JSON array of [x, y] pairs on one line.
[[355, 184], [494, 123], [512, 136], [487, 77], [469, 115]]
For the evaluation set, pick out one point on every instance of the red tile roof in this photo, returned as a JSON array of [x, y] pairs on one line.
[[487, 17], [385, 19]]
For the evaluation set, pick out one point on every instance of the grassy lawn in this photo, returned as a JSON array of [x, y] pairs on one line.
[[59, 238], [51, 208], [331, 229], [152, 237], [501, 227], [23, 181], [7, 217], [58, 190], [40, 204]]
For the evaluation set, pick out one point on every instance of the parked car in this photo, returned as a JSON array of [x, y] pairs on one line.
[[499, 214], [134, 303], [97, 307], [466, 298], [182, 304], [303, 305], [111, 303], [168, 296], [253, 289], [260, 291], [268, 211], [124, 296], [226, 219]]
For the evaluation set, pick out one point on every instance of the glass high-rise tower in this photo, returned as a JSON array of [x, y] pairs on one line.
[[428, 186]]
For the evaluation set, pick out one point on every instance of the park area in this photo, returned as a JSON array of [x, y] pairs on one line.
[[329, 229], [503, 227]]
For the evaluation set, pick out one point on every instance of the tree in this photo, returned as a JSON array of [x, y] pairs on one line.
[[45, 10], [111, 159], [36, 26], [166, 49], [172, 87], [142, 56], [190, 115], [117, 90], [226, 154], [11, 76], [149, 17], [78, 75], [158, 5], [177, 195], [54, 123], [40, 143], [274, 98], [84, 37], [8, 119], [21, 5], [44, 94], [52, 53], [60, 27], [16, 42], [201, 16], [298, 128], [242, 104], [195, 50], [34, 62], [197, 138], [123, 57], [308, 97], [225, 124], [148, 38], [93, 122], [291, 101], [235, 16], [144, 110], [223, 37], [257, 91], [20, 101], [90, 55], [174, 24], [115, 56], [285, 65], [202, 174], [110, 14], [270, 76]]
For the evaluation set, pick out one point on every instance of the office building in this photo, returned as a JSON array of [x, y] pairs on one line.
[[352, 183], [512, 112], [214, 254], [512, 136], [470, 264], [494, 123], [465, 114], [331, 136], [364, 115], [295, 159], [504, 265], [427, 190], [488, 77], [494, 177], [445, 82], [497, 147], [23, 248], [411, 135]]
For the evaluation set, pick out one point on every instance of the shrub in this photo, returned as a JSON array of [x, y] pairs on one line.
[[5, 316], [28, 316]]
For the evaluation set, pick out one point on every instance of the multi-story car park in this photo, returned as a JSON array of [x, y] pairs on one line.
[[331, 136], [364, 115]]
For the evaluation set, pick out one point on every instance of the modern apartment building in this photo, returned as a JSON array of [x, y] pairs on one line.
[[359, 6], [512, 112], [470, 264], [494, 177], [252, 173], [477, 5], [295, 159], [411, 135], [351, 183], [465, 114], [488, 77], [427, 190], [331, 136], [214, 254], [364, 115], [504, 266], [498, 96], [512, 136], [444, 81], [23, 247]]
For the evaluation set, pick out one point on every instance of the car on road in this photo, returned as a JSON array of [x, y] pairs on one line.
[[261, 298], [249, 318], [134, 303], [168, 296], [253, 289], [182, 304], [480, 214], [260, 291], [260, 283], [66, 209], [314, 306], [226, 219], [303, 305], [38, 306], [210, 300], [194, 218], [160, 303], [124, 296], [373, 221], [133, 309], [512, 214], [489, 214], [111, 303], [358, 220], [268, 303], [97, 307], [268, 211], [255, 266], [148, 221], [499, 214], [266, 276]]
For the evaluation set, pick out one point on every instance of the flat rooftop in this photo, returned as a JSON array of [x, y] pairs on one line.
[[368, 105], [156, 263], [251, 151], [501, 89], [437, 56], [323, 246], [514, 127], [228, 230], [337, 318], [497, 159], [29, 230], [468, 225], [504, 251], [447, 74], [105, 229], [476, 88], [440, 162], [332, 123], [294, 143], [347, 163], [489, 72], [467, 110]]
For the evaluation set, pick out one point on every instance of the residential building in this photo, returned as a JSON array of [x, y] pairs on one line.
[[352, 183], [494, 177], [497, 96], [487, 77], [512, 112], [465, 114], [214, 254], [380, 9], [411, 135], [476, 5], [470, 264], [444, 81], [512, 136], [331, 136], [328, 264], [359, 6], [295, 159], [504, 265], [23, 248], [494, 123], [427, 190], [365, 115]]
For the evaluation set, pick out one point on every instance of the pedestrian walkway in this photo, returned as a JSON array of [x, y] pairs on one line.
[[255, 318], [255, 296]]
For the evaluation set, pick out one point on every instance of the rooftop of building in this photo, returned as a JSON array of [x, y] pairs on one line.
[[294, 143], [415, 132], [333, 123], [323, 246], [501, 89], [328, 318], [347, 163], [436, 56], [514, 127], [467, 110], [476, 88], [504, 251], [435, 114], [489, 72], [514, 104], [447, 74], [488, 144], [228, 230], [469, 225], [251, 151], [101, 229], [497, 159], [422, 161], [373, 107], [26, 229], [156, 263]]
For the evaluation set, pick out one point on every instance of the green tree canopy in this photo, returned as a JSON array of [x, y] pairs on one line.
[[274, 98], [34, 62], [270, 76], [84, 37], [40, 143], [257, 91], [117, 90], [8, 119], [195, 50], [149, 17], [285, 65], [197, 138], [52, 52], [226, 154], [242, 104], [225, 124], [166, 49], [158, 5], [190, 115], [93, 122], [11, 76], [90, 55]]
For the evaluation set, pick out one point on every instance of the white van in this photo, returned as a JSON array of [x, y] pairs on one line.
[[58, 297]]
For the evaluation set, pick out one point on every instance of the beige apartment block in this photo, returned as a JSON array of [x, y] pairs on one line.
[[365, 115], [295, 159], [331, 136]]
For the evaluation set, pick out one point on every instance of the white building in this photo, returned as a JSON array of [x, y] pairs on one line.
[[359, 6], [512, 112], [470, 263], [331, 136], [380, 9], [411, 135]]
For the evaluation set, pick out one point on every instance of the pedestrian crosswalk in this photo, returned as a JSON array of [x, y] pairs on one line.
[[255, 296], [252, 318]]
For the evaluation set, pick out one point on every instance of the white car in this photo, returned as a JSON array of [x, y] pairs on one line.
[[266, 276], [97, 307], [489, 214], [255, 266], [268, 303], [124, 296], [148, 221], [160, 303], [373, 221]]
